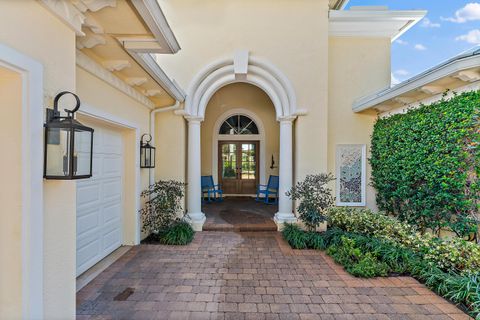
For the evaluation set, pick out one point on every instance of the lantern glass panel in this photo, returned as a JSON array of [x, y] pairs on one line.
[[58, 144], [147, 156], [152, 157], [82, 153]]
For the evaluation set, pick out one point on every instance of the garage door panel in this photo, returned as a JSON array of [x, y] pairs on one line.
[[110, 213], [88, 255], [88, 194], [88, 220], [112, 189], [97, 164], [100, 201], [111, 240], [112, 165], [112, 142]]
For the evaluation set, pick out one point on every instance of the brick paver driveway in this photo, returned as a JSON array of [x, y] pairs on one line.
[[227, 275]]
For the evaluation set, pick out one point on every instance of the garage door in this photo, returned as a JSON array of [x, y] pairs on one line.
[[99, 200]]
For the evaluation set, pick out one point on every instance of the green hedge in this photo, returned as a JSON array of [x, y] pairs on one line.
[[425, 164]]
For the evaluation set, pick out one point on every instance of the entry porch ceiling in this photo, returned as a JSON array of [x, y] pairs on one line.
[[118, 35]]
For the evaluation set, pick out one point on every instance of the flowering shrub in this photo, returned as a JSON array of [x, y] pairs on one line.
[[447, 254]]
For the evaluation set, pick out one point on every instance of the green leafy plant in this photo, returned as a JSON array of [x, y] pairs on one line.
[[162, 214], [315, 198], [295, 236], [178, 233], [447, 254], [162, 205], [425, 165]]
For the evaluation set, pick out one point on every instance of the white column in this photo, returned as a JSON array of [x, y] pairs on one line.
[[194, 203], [285, 206]]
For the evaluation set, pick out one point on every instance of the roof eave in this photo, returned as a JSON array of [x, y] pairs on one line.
[[446, 69], [154, 18]]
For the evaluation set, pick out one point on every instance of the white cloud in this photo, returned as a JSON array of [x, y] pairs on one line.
[[394, 80], [427, 23], [402, 42], [470, 12], [472, 37], [402, 72], [420, 47]]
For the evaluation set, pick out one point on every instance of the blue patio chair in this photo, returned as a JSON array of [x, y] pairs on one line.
[[211, 190], [270, 189]]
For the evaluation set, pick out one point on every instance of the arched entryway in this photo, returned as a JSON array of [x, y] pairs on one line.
[[264, 75]]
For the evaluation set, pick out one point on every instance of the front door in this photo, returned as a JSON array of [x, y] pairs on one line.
[[238, 166]]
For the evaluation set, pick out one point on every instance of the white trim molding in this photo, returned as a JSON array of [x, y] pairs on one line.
[[32, 179], [261, 73], [216, 137], [363, 186], [86, 63], [154, 18], [372, 23]]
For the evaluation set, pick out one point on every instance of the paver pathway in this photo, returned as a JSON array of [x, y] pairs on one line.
[[227, 275]]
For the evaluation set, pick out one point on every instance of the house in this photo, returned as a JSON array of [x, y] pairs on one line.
[[270, 83]]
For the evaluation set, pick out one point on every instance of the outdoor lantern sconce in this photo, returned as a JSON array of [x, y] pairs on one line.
[[68, 144], [147, 152]]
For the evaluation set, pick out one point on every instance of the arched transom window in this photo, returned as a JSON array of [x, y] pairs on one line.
[[238, 124]]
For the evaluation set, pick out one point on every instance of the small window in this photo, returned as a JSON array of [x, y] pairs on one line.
[[238, 124]]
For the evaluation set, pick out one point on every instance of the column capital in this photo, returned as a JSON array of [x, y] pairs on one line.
[[193, 119], [289, 119]]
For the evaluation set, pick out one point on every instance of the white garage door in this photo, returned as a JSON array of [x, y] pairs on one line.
[[99, 200]]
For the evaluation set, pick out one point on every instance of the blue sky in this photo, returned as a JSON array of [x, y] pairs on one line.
[[450, 27]]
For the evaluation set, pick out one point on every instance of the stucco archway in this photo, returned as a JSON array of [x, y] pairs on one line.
[[258, 72]]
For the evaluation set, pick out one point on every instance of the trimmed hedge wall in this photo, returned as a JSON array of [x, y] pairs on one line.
[[426, 163]]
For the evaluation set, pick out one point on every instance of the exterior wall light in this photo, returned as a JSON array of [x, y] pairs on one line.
[[147, 152], [68, 144]]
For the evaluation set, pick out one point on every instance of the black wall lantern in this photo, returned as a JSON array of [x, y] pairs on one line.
[[68, 144], [147, 152]]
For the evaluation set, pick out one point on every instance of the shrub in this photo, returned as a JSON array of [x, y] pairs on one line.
[[295, 236], [355, 261], [447, 254], [314, 196], [178, 233], [162, 205], [425, 164]]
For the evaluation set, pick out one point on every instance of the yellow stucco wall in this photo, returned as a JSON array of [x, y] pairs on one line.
[[293, 35], [357, 66], [11, 197], [250, 98], [170, 143], [35, 32]]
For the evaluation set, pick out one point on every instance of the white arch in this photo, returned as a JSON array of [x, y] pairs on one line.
[[261, 136], [203, 86], [261, 73]]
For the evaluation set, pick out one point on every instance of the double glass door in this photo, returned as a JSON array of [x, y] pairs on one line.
[[238, 166]]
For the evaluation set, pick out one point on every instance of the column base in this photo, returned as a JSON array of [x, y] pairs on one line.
[[284, 217], [196, 220]]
